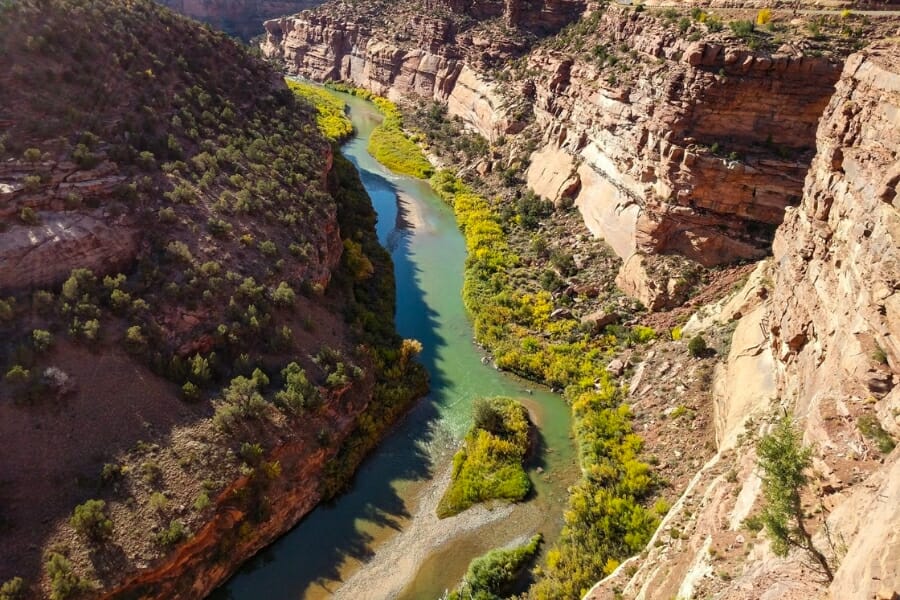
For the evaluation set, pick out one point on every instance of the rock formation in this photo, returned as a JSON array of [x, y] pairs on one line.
[[433, 56], [694, 148], [823, 347], [697, 154]]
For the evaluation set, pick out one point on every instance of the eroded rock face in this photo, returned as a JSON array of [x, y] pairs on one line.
[[823, 346], [698, 154], [837, 300], [835, 315], [43, 255], [243, 18], [417, 55]]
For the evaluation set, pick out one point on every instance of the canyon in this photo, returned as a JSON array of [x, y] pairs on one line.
[[704, 151], [695, 150], [172, 259], [198, 320]]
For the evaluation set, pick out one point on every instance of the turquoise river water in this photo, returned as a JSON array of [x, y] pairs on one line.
[[338, 539]]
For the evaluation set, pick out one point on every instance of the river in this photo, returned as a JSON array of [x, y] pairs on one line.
[[343, 541]]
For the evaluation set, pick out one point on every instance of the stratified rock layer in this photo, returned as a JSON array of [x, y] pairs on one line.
[[697, 154], [419, 55], [835, 313], [823, 346]]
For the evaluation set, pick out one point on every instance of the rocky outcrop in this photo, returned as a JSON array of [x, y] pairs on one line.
[[698, 153], [211, 555], [43, 255], [820, 343], [415, 55], [836, 306], [243, 18], [835, 313]]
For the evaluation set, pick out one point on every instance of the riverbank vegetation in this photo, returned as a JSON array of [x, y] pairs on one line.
[[515, 318], [388, 144], [331, 111], [606, 520], [494, 575], [399, 377], [489, 464]]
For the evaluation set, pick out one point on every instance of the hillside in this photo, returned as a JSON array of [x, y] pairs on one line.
[[629, 173], [195, 314]]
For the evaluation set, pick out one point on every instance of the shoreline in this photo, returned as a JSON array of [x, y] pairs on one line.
[[396, 564]]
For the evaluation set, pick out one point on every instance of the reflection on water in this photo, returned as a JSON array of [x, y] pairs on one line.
[[336, 539]]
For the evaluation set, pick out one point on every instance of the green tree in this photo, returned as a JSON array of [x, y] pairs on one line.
[[64, 583], [697, 346], [784, 459], [14, 589], [283, 295], [41, 339], [91, 521]]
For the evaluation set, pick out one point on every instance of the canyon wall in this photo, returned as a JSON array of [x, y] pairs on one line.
[[823, 347], [666, 145], [241, 18], [414, 55], [232, 535], [696, 150]]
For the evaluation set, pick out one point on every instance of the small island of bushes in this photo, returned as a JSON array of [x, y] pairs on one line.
[[489, 464]]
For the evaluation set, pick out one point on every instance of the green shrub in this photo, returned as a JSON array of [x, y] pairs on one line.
[[32, 155], [784, 460], [91, 521], [742, 28], [158, 502], [241, 400], [283, 295], [190, 392], [18, 375], [14, 589], [489, 465], [173, 534], [493, 575], [28, 216], [870, 427], [64, 583], [202, 502], [84, 158], [697, 346], [41, 339], [298, 393]]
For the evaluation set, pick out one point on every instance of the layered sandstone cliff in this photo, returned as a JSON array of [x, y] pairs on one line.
[[695, 149], [823, 347], [667, 144], [410, 54]]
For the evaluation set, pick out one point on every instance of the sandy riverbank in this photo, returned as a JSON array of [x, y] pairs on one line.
[[397, 562]]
